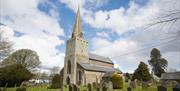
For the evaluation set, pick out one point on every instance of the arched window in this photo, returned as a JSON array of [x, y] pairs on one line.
[[69, 67], [68, 80]]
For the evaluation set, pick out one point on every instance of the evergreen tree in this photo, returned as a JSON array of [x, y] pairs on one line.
[[56, 81], [142, 72], [158, 64]]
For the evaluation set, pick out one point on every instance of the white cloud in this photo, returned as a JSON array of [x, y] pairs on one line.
[[135, 18], [41, 32]]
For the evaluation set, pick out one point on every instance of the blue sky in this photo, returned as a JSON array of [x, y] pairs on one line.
[[112, 28]]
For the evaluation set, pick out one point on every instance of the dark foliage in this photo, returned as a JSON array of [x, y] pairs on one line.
[[14, 75], [56, 82], [21, 89], [142, 73], [158, 64]]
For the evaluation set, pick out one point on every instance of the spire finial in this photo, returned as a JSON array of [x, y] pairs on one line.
[[77, 32]]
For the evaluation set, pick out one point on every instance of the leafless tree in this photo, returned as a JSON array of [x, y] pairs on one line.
[[5, 45], [55, 70], [168, 19]]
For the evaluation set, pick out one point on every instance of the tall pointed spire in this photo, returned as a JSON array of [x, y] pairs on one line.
[[77, 31]]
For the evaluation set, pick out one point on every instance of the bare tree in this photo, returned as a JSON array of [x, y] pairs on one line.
[[168, 19], [54, 70], [5, 45]]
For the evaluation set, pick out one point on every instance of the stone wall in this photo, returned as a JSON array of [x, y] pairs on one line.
[[92, 76]]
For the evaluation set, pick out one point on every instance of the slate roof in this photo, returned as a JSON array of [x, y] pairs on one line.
[[92, 67], [100, 58], [171, 76]]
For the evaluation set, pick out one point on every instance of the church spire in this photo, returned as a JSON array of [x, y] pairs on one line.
[[77, 31]]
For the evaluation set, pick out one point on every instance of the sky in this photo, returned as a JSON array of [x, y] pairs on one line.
[[113, 28]]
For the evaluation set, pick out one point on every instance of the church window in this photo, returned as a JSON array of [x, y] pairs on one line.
[[69, 67], [80, 77]]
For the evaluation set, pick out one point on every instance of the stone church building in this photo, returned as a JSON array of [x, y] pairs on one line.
[[80, 66]]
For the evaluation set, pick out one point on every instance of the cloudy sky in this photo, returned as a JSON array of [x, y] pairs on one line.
[[114, 28]]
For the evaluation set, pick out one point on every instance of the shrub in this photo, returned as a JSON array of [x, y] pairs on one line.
[[56, 81], [117, 81], [21, 89], [14, 75]]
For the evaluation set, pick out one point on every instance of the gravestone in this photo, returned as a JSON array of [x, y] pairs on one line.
[[104, 88], [133, 84], [89, 87], [129, 89], [94, 85], [98, 88], [110, 86], [161, 88], [70, 88], [62, 88], [176, 87], [75, 87], [144, 85]]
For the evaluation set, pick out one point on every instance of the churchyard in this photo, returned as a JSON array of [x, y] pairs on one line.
[[83, 88]]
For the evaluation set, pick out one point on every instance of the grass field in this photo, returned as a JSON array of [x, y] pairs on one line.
[[44, 88]]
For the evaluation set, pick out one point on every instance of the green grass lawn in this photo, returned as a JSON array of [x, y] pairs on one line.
[[44, 88]]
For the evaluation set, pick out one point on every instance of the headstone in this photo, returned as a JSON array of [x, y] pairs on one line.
[[161, 88], [110, 86], [62, 88], [176, 87], [129, 89], [98, 88], [70, 88], [133, 84], [75, 87], [104, 88], [89, 87], [94, 85], [144, 85]]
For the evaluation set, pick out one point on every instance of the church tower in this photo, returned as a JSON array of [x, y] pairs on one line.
[[76, 52]]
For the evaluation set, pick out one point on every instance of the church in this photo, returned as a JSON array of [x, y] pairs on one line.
[[80, 66]]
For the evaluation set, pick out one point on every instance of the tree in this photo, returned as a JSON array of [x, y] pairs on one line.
[[14, 75], [54, 70], [117, 81], [142, 72], [158, 64], [127, 77], [26, 57], [56, 82], [5, 46]]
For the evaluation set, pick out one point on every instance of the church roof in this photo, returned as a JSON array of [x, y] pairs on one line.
[[92, 67], [100, 58], [171, 76]]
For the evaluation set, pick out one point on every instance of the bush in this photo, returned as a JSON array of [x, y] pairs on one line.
[[56, 82], [117, 81], [2, 89], [21, 89], [13, 75]]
